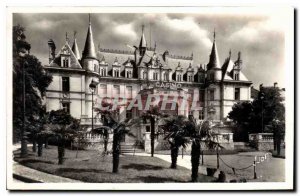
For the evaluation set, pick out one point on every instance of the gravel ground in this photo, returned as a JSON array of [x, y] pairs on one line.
[[270, 170]]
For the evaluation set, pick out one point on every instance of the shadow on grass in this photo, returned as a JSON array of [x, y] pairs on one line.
[[34, 161], [152, 179], [141, 167], [74, 170]]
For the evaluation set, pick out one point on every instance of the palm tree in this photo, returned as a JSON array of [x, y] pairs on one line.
[[180, 131], [62, 127], [119, 129], [153, 115], [174, 128], [199, 133]]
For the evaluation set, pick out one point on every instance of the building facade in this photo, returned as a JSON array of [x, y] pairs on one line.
[[212, 88]]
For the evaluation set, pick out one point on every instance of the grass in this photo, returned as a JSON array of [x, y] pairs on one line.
[[91, 166]]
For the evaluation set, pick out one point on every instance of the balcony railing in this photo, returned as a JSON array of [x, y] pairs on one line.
[[88, 121]]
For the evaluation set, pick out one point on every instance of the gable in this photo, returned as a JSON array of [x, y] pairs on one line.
[[66, 50]]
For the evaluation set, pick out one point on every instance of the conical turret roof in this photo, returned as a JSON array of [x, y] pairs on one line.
[[214, 61], [75, 48], [89, 47], [143, 43]]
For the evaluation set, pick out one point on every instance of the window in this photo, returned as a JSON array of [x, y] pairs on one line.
[[96, 68], [103, 89], [155, 76], [66, 107], [128, 114], [144, 75], [102, 72], [166, 78], [190, 78], [129, 91], [211, 94], [201, 115], [129, 74], [65, 84], [116, 90], [65, 62], [202, 95], [116, 73], [179, 77], [236, 76], [237, 94]]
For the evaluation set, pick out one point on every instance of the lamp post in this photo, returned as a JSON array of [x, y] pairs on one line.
[[262, 111], [93, 86], [23, 133]]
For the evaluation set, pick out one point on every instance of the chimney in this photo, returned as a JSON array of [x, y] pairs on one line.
[[52, 48], [275, 85], [260, 86]]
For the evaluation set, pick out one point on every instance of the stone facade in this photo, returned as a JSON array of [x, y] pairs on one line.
[[129, 74]]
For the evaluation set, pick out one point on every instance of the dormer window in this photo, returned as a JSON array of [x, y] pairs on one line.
[[190, 78], [116, 73], [166, 78], [65, 62], [155, 76], [129, 74], [179, 77], [102, 72], [236, 76]]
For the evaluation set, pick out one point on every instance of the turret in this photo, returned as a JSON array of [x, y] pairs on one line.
[[143, 44], [75, 48], [214, 72], [89, 59], [237, 67]]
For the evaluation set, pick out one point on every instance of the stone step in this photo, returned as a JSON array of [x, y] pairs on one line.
[[131, 148]]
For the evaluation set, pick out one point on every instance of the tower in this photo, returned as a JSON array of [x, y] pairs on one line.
[[75, 47], [90, 63], [89, 59], [214, 72], [143, 43]]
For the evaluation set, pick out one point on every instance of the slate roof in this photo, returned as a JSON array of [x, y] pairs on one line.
[[66, 49]]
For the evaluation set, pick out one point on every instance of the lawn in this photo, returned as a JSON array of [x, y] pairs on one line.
[[91, 166]]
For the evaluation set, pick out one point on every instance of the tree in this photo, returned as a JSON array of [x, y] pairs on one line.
[[174, 128], [200, 134], [253, 116], [62, 127], [278, 128], [181, 131], [243, 116], [153, 115], [118, 128], [29, 87]]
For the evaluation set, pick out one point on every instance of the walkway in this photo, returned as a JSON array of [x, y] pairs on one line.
[[271, 170]]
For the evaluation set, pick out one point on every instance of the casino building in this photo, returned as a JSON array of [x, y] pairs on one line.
[[142, 71]]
